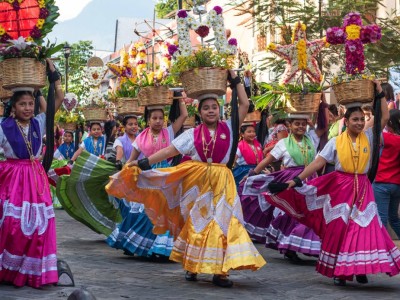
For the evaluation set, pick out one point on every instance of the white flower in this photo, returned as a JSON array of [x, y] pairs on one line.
[[20, 43]]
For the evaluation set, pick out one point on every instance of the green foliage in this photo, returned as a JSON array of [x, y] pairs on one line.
[[164, 8], [126, 90], [201, 58], [280, 15], [80, 53], [30, 51]]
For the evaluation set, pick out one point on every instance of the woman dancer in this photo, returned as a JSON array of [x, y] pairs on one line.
[[27, 245], [340, 206], [296, 151], [196, 200]]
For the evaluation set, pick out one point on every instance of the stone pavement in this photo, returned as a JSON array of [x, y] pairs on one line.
[[109, 274]]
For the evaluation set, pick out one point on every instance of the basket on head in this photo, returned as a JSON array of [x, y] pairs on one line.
[[190, 122], [303, 103], [23, 72], [68, 126], [155, 95], [362, 91], [95, 62], [4, 94], [252, 117], [94, 113], [129, 106], [204, 81]]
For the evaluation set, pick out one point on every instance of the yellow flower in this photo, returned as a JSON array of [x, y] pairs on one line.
[[2, 30], [40, 23], [10, 1], [353, 32], [41, 4], [29, 39], [159, 75], [302, 54], [326, 43], [271, 47]]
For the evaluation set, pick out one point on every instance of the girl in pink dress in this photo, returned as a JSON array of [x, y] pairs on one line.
[[27, 225]]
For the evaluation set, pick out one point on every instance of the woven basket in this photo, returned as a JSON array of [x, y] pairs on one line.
[[129, 106], [4, 94], [303, 103], [95, 62], [94, 114], [23, 72], [204, 81], [1, 109], [255, 116], [190, 122], [68, 126], [155, 95], [354, 91]]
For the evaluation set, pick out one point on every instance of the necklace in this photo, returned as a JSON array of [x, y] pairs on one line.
[[206, 145], [28, 144], [303, 148], [68, 147]]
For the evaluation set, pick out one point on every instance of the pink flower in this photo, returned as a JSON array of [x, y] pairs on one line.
[[233, 42], [352, 18], [44, 13], [335, 36], [182, 13], [35, 33], [218, 9]]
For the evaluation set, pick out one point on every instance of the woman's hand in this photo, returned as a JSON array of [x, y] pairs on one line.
[[291, 184], [50, 63], [378, 86], [133, 163]]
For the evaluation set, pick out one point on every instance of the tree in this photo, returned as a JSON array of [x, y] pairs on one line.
[[80, 53], [278, 17], [165, 7]]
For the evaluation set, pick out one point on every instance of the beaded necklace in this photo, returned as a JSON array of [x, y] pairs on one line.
[[206, 145], [303, 148]]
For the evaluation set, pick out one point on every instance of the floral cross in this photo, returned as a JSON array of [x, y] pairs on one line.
[[354, 36], [300, 55]]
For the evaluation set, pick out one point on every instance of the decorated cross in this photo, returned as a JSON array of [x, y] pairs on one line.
[[300, 55], [354, 35]]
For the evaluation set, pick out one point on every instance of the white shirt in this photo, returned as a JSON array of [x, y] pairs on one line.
[[5, 145], [329, 153], [280, 152], [185, 144]]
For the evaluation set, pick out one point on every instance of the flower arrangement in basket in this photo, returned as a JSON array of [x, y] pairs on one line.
[[191, 106], [23, 27], [354, 85], [23, 63], [69, 116], [300, 56], [94, 107], [202, 71], [154, 85]]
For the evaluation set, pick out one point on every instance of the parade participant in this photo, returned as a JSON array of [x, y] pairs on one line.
[[296, 151], [197, 200], [340, 206], [389, 95], [27, 244], [94, 144], [249, 153], [134, 234], [67, 148], [387, 182]]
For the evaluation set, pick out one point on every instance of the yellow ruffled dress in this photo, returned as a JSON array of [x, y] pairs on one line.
[[199, 204]]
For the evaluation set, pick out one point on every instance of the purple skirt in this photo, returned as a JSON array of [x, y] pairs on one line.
[[281, 232]]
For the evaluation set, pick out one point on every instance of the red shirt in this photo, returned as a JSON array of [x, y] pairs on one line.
[[389, 162]]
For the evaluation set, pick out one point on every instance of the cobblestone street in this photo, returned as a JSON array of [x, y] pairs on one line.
[[109, 274]]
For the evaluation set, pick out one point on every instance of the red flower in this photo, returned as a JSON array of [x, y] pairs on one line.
[[203, 31]]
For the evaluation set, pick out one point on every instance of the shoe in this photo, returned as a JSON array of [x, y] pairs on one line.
[[339, 282], [190, 276], [65, 276], [293, 257], [222, 281], [362, 279]]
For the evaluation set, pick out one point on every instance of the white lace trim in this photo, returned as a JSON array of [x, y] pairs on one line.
[[249, 190], [34, 216], [28, 265]]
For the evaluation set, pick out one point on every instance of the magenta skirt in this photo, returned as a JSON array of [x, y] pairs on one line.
[[354, 242], [27, 225]]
